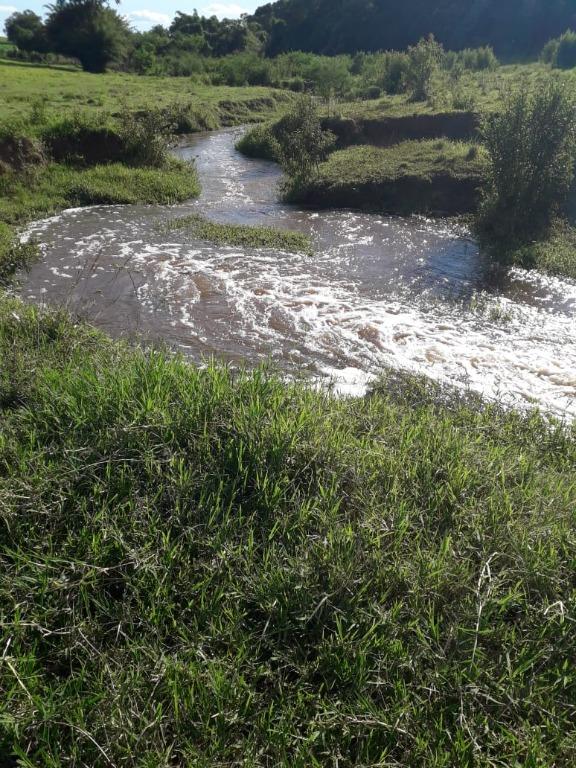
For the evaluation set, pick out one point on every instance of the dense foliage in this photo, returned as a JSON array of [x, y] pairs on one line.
[[513, 28], [302, 143], [27, 31], [560, 52], [88, 31], [231, 51], [531, 144]]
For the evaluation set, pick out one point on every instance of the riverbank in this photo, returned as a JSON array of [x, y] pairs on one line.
[[258, 571], [429, 177], [68, 138], [40, 191]]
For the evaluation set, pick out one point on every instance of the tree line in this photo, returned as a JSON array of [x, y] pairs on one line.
[[514, 28], [94, 33], [97, 35]]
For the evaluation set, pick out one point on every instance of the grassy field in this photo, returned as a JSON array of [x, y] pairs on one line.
[[245, 236], [201, 568], [473, 92], [65, 89], [410, 158], [410, 177]]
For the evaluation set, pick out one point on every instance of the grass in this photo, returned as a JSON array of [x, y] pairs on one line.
[[58, 186], [216, 569], [475, 91], [555, 254], [13, 254], [424, 159], [259, 142], [410, 177], [45, 190], [245, 236], [64, 90]]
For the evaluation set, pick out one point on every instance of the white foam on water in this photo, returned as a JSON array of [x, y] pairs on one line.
[[524, 356], [324, 315]]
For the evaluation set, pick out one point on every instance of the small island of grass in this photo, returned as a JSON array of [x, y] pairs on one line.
[[241, 235]]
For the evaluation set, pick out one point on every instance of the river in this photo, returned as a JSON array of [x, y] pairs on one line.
[[410, 293]]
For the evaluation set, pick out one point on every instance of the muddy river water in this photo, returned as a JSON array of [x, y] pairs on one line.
[[411, 293]]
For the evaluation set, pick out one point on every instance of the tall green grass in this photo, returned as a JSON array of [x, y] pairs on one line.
[[201, 567]]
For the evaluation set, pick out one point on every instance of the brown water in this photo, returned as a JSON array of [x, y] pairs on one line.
[[412, 293]]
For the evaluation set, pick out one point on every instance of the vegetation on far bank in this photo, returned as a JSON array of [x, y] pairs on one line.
[[50, 162], [206, 567], [98, 36], [245, 236], [516, 177], [531, 148], [440, 177]]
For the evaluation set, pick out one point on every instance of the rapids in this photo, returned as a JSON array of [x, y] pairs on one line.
[[411, 293]]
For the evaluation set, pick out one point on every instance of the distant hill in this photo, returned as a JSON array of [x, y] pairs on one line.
[[515, 28]]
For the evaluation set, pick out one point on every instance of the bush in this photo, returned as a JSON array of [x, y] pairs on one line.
[[561, 51], [472, 59], [566, 53], [397, 72], [241, 69], [259, 142], [325, 75], [531, 145], [425, 61], [146, 138], [549, 52], [302, 142], [372, 92]]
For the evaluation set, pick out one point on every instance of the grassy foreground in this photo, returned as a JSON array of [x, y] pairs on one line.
[[208, 569], [239, 234]]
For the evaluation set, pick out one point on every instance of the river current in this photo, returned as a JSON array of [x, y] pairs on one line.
[[379, 291]]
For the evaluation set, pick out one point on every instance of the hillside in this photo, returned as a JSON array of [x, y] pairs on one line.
[[516, 28]]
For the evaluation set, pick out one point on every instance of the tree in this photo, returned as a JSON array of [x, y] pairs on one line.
[[425, 61], [531, 146], [87, 30], [27, 31], [302, 142]]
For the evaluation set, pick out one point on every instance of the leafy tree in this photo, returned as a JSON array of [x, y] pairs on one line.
[[531, 145], [143, 59], [425, 61], [511, 27], [88, 30], [27, 31], [302, 143], [566, 52]]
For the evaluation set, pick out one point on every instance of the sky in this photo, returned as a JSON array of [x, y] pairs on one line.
[[144, 14]]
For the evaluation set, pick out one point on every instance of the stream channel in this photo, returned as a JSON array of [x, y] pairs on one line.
[[379, 291]]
